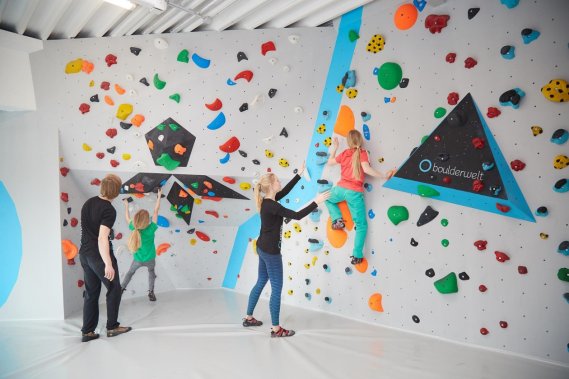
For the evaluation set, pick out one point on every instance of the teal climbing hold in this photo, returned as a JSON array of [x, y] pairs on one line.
[[426, 191], [397, 214], [448, 284], [200, 61], [175, 97], [217, 122]]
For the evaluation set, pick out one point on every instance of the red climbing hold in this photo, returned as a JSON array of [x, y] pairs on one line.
[[114, 163], [64, 171], [517, 165], [435, 22], [502, 208], [95, 182], [139, 187], [503, 324], [484, 331], [74, 222], [214, 252], [64, 197], [478, 143], [71, 262], [229, 180], [212, 213], [247, 75], [501, 257], [111, 132], [452, 98], [118, 236], [105, 85], [493, 112], [450, 58], [437, 138], [482, 288], [477, 185], [84, 108], [447, 180], [215, 106], [522, 270], [202, 236], [231, 145], [268, 46], [481, 244], [111, 60], [470, 62], [212, 198], [80, 283], [100, 155]]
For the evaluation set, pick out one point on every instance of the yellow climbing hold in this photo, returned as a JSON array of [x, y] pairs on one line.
[[314, 260], [290, 292], [87, 147], [269, 153], [193, 241], [307, 266], [197, 201], [92, 83], [245, 186], [126, 156], [317, 291], [124, 111], [376, 44], [74, 67]]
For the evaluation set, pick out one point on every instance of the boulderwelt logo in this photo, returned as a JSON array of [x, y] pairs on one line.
[[427, 165]]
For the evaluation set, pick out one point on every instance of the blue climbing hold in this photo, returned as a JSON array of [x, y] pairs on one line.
[[326, 267], [217, 122], [487, 166], [323, 185], [321, 158], [348, 271], [512, 98], [370, 214], [508, 52], [349, 79], [230, 82], [386, 100], [162, 222], [365, 116], [529, 35], [368, 187], [560, 136], [315, 215], [374, 272], [541, 211], [365, 129], [225, 159], [308, 296], [561, 186], [314, 244], [200, 61], [510, 3], [563, 248]]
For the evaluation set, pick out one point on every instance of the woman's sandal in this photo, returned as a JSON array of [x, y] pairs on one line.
[[251, 322], [282, 333]]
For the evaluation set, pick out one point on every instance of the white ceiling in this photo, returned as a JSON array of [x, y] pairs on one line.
[[62, 19]]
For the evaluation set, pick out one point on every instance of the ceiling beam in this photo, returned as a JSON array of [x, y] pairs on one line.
[[46, 18], [266, 13], [233, 14], [292, 15], [330, 13], [210, 10], [106, 20], [126, 24], [22, 24], [148, 16]]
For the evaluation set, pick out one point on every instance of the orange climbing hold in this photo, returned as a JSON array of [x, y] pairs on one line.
[[202, 236], [362, 267], [405, 16], [162, 248], [182, 194], [374, 302], [109, 100], [337, 238], [179, 149], [207, 184], [150, 144], [345, 121], [229, 180], [119, 89], [69, 249], [87, 67], [137, 120]]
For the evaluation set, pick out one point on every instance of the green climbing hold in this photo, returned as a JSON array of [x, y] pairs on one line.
[[185, 209], [563, 274], [444, 242], [426, 191], [161, 127], [424, 139], [159, 84], [397, 213], [173, 208], [195, 185], [166, 161], [175, 97], [174, 127], [440, 112], [448, 284], [178, 215], [184, 56], [353, 35], [444, 222], [389, 75]]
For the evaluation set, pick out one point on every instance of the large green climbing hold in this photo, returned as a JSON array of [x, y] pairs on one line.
[[448, 284], [389, 75], [353, 35], [159, 84], [563, 274], [185, 209], [426, 191], [166, 161], [397, 213], [184, 56], [175, 97]]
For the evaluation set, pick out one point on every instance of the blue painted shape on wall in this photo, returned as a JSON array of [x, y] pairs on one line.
[[10, 244], [249, 229]]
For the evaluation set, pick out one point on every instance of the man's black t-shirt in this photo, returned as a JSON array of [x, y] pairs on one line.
[[272, 215], [95, 212]]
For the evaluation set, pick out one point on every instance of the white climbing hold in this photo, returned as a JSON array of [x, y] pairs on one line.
[[260, 99], [298, 109], [293, 38], [268, 140], [129, 77], [139, 164], [132, 92], [286, 68], [161, 137], [273, 61], [160, 43]]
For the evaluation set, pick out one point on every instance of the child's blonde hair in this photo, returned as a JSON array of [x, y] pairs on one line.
[[140, 221], [263, 185], [355, 140]]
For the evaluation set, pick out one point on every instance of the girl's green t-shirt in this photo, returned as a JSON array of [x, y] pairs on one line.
[[147, 250]]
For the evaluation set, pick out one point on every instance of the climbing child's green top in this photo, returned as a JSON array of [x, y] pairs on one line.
[[147, 250]]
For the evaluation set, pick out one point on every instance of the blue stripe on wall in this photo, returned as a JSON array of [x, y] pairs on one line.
[[10, 243], [331, 99]]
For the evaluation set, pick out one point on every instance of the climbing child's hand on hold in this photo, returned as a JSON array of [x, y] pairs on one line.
[[322, 197]]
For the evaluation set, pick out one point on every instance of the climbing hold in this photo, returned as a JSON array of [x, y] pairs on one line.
[[105, 85], [125, 125], [162, 248], [114, 163], [510, 3], [137, 120], [328, 299], [561, 186], [86, 147], [365, 130], [563, 274], [345, 121], [284, 133], [493, 112], [560, 136], [159, 84], [245, 186], [375, 44], [543, 236], [162, 222], [175, 97], [353, 35], [529, 35], [518, 165], [482, 288], [217, 122], [135, 50], [450, 57], [123, 111], [64, 171], [144, 81], [563, 248], [502, 208], [321, 158], [501, 257], [522, 270], [352, 93], [215, 105], [199, 61], [397, 214], [241, 56], [268, 46], [166, 161], [109, 100], [389, 75], [512, 98], [444, 222], [314, 244], [481, 244], [414, 243], [405, 16], [94, 99], [487, 166], [283, 162], [362, 266], [243, 107], [415, 319], [119, 89], [470, 62], [348, 271], [87, 67], [508, 52], [536, 130], [430, 273], [447, 285], [74, 66], [452, 98], [111, 132], [560, 162], [440, 112], [428, 215], [503, 324], [247, 75], [472, 12], [371, 214], [445, 243], [230, 146], [374, 302], [323, 185], [349, 79], [541, 211], [256, 162], [426, 191], [204, 237], [484, 331], [69, 249], [404, 83], [557, 90], [463, 276], [183, 56], [325, 267], [84, 108], [435, 23], [110, 59], [365, 116]]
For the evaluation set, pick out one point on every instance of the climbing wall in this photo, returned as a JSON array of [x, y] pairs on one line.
[[465, 272]]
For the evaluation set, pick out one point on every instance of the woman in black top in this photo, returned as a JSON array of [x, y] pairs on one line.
[[269, 245]]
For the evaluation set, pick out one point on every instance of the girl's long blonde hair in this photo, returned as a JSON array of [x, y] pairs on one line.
[[355, 140], [140, 221], [263, 185]]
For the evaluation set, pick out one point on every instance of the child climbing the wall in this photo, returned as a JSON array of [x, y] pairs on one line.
[[354, 162], [267, 194], [141, 243]]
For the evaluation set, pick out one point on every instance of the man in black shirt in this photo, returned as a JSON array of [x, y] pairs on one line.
[[98, 260]]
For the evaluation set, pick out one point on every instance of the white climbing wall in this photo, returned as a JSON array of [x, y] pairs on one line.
[[531, 304]]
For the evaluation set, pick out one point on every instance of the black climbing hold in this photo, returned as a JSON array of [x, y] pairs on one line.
[[272, 92], [243, 107], [505, 49], [284, 133], [295, 171], [125, 125], [542, 211], [404, 83], [463, 276], [327, 299], [321, 154], [256, 161], [348, 270], [563, 248], [242, 168], [414, 243], [526, 32], [313, 240], [240, 56], [111, 150], [68, 211], [286, 220], [144, 81], [64, 222], [366, 186], [416, 319], [472, 12], [94, 98], [322, 181], [243, 154], [307, 281], [345, 79], [428, 215], [135, 50], [430, 273], [325, 266], [325, 113], [191, 231], [560, 184], [510, 96], [443, 157]]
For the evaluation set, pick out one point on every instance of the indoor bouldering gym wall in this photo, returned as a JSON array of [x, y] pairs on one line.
[[466, 258]]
